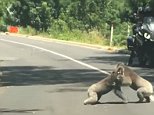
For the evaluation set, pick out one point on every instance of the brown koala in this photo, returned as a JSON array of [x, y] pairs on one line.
[[104, 86], [128, 77]]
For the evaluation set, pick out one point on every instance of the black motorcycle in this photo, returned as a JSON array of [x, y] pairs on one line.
[[141, 44]]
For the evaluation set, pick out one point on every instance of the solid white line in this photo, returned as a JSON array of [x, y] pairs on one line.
[[58, 54]]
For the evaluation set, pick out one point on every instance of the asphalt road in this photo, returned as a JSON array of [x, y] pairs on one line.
[[51, 78]]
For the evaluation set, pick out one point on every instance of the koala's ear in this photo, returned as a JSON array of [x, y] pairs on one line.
[[120, 70], [119, 64]]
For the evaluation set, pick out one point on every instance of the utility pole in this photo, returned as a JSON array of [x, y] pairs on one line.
[[111, 35]]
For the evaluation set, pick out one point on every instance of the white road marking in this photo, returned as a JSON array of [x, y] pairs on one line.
[[58, 54]]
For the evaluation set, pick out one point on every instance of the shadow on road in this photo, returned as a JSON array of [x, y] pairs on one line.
[[112, 59], [33, 75], [47, 75], [5, 110], [131, 102]]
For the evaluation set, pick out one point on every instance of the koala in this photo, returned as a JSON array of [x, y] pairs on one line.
[[95, 91], [128, 77]]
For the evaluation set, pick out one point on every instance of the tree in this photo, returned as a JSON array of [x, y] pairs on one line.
[[41, 16]]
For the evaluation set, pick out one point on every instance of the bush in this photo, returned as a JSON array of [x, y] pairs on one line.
[[93, 37], [28, 30], [119, 40], [120, 34], [3, 28]]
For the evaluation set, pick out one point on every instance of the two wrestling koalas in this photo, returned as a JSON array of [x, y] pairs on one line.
[[122, 75]]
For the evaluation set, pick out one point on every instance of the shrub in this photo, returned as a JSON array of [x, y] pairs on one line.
[[3, 28], [28, 30]]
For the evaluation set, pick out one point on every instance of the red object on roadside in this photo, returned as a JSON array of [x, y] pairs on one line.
[[13, 29]]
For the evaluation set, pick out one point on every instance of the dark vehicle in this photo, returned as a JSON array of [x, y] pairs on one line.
[[141, 43]]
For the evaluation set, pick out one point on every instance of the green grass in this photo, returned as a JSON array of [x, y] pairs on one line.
[[93, 37]]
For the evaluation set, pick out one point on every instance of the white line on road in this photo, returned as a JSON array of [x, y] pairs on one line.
[[58, 54]]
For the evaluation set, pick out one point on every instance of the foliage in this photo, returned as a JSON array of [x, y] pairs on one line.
[[3, 28], [72, 19], [28, 30]]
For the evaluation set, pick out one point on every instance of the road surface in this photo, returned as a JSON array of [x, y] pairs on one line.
[[51, 78]]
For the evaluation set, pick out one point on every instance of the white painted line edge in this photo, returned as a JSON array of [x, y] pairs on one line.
[[58, 54]]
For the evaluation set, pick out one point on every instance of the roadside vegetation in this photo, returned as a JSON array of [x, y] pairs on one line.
[[87, 21]]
